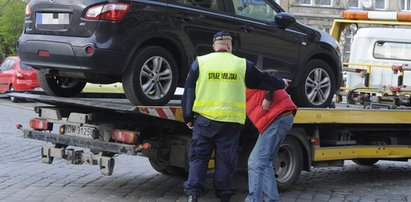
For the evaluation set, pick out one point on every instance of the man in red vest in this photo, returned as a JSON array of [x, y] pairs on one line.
[[272, 113]]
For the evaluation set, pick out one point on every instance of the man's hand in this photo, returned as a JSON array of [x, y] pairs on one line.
[[286, 83], [190, 125], [266, 104]]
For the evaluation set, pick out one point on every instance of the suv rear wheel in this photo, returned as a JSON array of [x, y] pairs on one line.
[[317, 86], [60, 86], [151, 79]]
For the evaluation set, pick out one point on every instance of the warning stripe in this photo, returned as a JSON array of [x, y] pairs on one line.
[[165, 113]]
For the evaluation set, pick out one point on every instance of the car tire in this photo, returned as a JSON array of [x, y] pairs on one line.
[[167, 170], [12, 98], [60, 86], [151, 78], [317, 86], [365, 162], [288, 164]]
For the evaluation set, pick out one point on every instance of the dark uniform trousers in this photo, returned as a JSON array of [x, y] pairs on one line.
[[207, 135]]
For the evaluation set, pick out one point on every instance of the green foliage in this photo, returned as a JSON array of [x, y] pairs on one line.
[[12, 14]]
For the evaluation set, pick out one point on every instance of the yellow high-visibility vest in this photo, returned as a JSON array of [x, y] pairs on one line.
[[220, 87]]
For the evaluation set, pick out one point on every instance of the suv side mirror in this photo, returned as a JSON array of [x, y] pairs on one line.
[[284, 19]]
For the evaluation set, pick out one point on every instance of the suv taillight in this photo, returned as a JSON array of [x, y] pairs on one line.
[[110, 12], [28, 11]]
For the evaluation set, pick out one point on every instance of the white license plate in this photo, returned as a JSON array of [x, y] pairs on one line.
[[79, 131], [52, 18]]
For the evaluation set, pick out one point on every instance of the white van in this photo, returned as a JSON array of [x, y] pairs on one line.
[[379, 46]]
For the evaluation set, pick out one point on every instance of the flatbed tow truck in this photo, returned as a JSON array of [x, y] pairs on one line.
[[319, 137], [107, 127]]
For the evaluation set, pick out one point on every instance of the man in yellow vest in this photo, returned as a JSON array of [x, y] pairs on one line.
[[214, 107]]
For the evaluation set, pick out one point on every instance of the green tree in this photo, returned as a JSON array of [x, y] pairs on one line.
[[11, 24]]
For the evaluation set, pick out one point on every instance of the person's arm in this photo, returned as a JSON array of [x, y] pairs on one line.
[[267, 101], [269, 95], [256, 79], [187, 100]]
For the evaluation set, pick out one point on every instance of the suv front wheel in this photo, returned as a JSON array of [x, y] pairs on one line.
[[151, 79], [317, 86]]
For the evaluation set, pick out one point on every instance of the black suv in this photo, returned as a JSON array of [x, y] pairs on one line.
[[149, 45]]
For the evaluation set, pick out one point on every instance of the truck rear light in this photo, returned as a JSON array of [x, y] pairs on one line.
[[110, 12], [40, 124], [28, 11], [125, 136]]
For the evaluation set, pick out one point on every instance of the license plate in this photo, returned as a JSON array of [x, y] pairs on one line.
[[52, 18], [79, 131]]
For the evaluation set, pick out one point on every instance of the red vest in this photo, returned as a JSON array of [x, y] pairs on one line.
[[261, 119]]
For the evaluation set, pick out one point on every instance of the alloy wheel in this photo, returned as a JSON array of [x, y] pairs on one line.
[[318, 86], [156, 77]]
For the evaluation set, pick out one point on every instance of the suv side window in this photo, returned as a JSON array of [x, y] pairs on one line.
[[208, 4], [256, 9]]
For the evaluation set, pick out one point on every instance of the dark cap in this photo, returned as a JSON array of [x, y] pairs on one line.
[[222, 36]]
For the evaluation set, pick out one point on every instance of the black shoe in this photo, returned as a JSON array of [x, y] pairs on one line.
[[225, 199], [192, 199]]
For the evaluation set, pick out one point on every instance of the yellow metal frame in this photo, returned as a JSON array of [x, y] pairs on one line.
[[340, 24], [355, 152], [351, 116], [368, 68]]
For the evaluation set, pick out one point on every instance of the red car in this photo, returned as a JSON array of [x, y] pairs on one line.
[[17, 76]]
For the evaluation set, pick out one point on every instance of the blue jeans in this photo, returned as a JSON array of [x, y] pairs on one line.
[[261, 175]]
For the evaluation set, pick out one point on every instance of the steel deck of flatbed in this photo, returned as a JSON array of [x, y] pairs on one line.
[[342, 114]]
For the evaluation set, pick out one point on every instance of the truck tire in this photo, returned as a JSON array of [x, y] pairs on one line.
[[151, 78], [365, 162], [288, 164], [167, 170], [317, 86], [60, 86]]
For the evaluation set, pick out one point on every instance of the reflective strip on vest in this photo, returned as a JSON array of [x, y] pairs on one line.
[[220, 87]]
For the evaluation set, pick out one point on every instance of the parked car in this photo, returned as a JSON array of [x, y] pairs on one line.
[[16, 76], [149, 45]]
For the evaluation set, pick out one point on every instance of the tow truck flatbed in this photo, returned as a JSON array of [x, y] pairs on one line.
[[319, 137], [342, 114]]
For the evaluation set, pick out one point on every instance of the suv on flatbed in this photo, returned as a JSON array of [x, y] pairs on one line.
[[148, 45]]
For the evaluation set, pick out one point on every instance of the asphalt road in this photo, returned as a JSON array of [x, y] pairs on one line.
[[24, 178]]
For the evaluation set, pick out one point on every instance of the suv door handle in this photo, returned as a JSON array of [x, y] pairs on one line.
[[246, 28], [183, 18]]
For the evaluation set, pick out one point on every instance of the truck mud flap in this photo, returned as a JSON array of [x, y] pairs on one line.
[[83, 142]]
